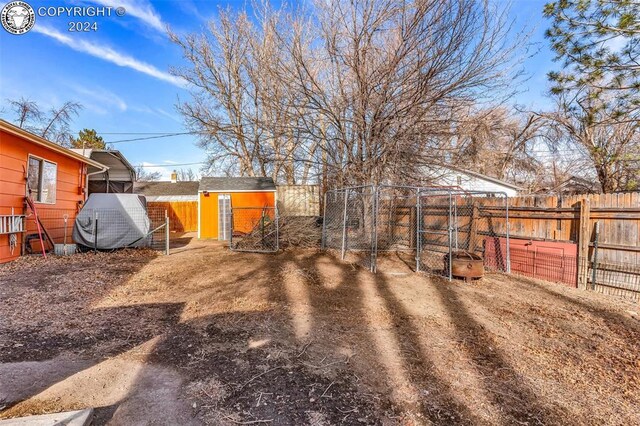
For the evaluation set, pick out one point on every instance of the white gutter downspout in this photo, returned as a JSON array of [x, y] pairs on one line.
[[86, 190]]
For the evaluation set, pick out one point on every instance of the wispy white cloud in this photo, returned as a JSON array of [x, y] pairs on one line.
[[158, 112], [100, 98], [140, 9], [168, 115], [190, 7], [109, 54]]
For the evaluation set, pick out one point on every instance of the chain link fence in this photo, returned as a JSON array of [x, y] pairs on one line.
[[255, 229], [52, 225], [424, 227], [349, 224], [56, 226], [160, 227], [111, 229]]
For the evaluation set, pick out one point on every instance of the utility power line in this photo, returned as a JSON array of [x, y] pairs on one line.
[[151, 137], [169, 165], [138, 133]]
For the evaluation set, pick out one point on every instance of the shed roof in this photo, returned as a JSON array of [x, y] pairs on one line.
[[236, 184], [162, 188]]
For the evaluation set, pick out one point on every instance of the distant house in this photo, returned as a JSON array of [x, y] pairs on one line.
[[54, 177], [455, 177], [120, 176], [216, 195], [572, 186]]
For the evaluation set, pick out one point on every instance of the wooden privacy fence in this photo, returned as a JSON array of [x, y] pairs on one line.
[[586, 241], [298, 200], [183, 215], [594, 237]]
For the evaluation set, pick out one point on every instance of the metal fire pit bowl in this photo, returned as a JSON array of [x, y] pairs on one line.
[[465, 265]]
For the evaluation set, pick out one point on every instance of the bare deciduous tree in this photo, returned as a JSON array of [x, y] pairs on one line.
[[142, 175], [610, 142], [241, 106], [187, 175], [351, 91], [501, 143], [53, 125]]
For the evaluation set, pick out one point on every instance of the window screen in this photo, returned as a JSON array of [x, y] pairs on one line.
[[33, 178], [42, 177]]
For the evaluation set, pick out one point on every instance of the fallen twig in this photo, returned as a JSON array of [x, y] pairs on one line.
[[304, 349], [248, 422], [257, 376], [326, 390]]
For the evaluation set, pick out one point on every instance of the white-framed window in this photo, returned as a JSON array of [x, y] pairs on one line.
[[42, 176]]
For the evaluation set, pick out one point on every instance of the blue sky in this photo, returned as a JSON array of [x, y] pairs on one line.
[[120, 73]]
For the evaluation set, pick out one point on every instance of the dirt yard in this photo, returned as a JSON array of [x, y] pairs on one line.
[[210, 336]]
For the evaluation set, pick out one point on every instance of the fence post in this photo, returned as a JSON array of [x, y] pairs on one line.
[[344, 223], [277, 217], [166, 233], [418, 230], [507, 230], [594, 265], [95, 231], [374, 230], [323, 240], [583, 243], [450, 230], [473, 230]]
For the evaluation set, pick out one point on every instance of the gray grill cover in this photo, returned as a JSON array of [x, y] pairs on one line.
[[122, 222]]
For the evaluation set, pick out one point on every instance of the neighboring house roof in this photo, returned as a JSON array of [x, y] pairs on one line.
[[485, 177], [166, 188], [119, 168], [574, 184], [35, 139], [236, 184]]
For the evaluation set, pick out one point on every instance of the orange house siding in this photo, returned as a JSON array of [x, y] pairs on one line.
[[14, 154], [209, 207]]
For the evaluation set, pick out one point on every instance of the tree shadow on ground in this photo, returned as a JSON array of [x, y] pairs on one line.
[[438, 404], [508, 390], [255, 363], [617, 322], [65, 334], [111, 332]]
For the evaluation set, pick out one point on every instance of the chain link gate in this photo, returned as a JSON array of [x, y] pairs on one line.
[[395, 222], [349, 223], [428, 226], [255, 229], [434, 231], [454, 223]]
